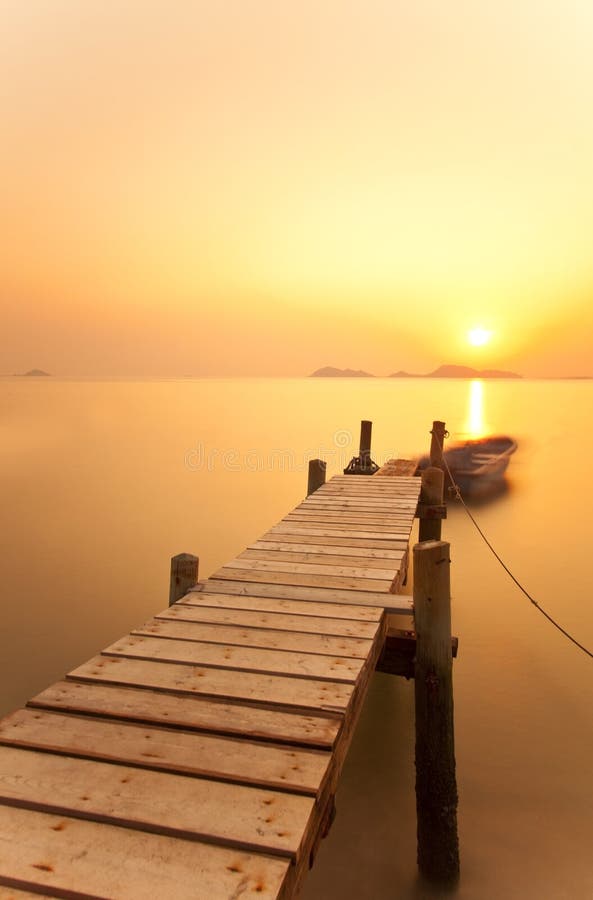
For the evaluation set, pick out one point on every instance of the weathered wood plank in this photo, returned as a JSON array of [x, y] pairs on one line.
[[348, 515], [372, 528], [296, 641], [272, 578], [208, 610], [234, 815], [7, 893], [391, 505], [237, 659], [355, 519], [278, 564], [386, 601], [398, 467], [324, 557], [225, 759], [310, 551], [275, 690], [363, 543], [189, 712], [347, 531], [293, 606], [91, 860]]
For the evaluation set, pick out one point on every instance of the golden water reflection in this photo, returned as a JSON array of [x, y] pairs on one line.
[[475, 425]]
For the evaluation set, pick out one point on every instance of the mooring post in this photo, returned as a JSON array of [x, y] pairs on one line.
[[431, 494], [436, 444], [436, 786], [366, 430], [184, 574], [317, 468]]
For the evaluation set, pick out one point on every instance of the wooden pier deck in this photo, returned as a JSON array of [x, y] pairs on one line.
[[198, 757]]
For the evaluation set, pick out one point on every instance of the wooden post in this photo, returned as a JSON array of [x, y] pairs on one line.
[[317, 469], [184, 574], [366, 429], [436, 786], [436, 444], [431, 493]]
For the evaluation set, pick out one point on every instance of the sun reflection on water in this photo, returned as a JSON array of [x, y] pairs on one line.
[[475, 426]]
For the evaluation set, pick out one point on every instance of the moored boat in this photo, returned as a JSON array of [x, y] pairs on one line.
[[477, 465]]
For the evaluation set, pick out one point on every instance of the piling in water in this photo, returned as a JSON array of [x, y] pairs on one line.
[[436, 786]]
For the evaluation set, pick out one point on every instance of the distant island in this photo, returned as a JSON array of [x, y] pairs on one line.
[[331, 372], [450, 371], [446, 371], [34, 372]]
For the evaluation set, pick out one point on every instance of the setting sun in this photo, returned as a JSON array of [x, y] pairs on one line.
[[477, 337]]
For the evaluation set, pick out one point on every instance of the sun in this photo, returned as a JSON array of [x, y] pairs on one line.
[[479, 336]]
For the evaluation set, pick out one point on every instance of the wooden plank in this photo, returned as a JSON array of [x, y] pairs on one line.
[[398, 467], [234, 815], [388, 602], [349, 531], [7, 893], [180, 752], [89, 860], [294, 606], [314, 525], [296, 641], [235, 658], [310, 551], [208, 610], [363, 543], [400, 523], [278, 690], [189, 712], [279, 564], [364, 515], [393, 505], [324, 557], [272, 578]]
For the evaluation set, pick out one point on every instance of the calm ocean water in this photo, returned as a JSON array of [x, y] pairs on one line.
[[103, 481]]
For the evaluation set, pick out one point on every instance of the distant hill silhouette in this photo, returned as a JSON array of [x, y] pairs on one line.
[[331, 372], [35, 372], [451, 371], [446, 371]]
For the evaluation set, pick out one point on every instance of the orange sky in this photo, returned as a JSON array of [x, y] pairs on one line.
[[264, 187]]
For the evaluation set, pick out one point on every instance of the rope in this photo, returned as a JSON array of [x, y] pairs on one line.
[[531, 599]]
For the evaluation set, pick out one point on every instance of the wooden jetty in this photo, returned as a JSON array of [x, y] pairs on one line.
[[199, 755]]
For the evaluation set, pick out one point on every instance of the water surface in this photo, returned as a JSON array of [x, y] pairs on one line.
[[102, 482]]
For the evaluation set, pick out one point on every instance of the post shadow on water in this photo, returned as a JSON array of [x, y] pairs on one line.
[[370, 852]]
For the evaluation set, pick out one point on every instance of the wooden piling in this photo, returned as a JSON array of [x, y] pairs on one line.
[[431, 495], [436, 786], [184, 574], [366, 429], [317, 470], [436, 444]]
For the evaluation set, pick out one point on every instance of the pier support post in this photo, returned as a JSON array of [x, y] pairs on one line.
[[184, 574], [436, 786], [431, 494], [317, 468], [436, 444]]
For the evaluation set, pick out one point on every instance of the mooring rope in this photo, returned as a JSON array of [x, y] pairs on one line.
[[524, 590]]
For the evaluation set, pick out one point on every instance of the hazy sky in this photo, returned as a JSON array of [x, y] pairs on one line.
[[265, 187]]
